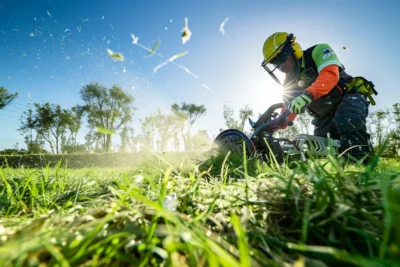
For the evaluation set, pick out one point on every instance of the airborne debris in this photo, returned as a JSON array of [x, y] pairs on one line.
[[48, 13], [115, 55], [186, 33], [135, 39], [155, 48], [221, 27], [104, 131], [170, 60], [205, 86]]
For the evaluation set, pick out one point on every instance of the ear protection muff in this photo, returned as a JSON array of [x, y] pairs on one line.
[[297, 51]]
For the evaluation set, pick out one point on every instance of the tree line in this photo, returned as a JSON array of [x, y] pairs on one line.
[[109, 112]]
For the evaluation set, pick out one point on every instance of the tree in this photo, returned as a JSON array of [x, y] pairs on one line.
[[304, 121], [33, 141], [127, 138], [5, 97], [384, 124], [201, 141], [74, 126], [395, 134], [189, 113], [110, 109], [50, 122], [35, 146], [160, 129], [378, 126], [244, 114], [231, 122], [92, 139], [289, 132]]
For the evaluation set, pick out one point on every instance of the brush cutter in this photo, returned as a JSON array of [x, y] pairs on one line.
[[262, 143]]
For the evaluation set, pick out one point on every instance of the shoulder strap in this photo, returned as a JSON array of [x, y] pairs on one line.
[[310, 67]]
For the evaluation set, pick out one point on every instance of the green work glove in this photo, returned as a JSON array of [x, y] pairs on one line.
[[298, 104]]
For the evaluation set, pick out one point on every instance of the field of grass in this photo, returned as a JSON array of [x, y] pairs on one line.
[[229, 212]]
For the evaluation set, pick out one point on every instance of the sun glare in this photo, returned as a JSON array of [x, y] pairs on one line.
[[268, 93]]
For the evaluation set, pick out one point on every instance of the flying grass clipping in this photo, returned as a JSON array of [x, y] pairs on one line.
[[115, 55], [186, 33]]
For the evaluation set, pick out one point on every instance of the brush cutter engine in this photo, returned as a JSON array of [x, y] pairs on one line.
[[262, 143]]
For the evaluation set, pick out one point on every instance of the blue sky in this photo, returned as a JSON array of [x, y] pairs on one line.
[[51, 48]]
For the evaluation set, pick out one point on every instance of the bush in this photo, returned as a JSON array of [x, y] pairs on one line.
[[71, 160], [68, 149], [12, 151]]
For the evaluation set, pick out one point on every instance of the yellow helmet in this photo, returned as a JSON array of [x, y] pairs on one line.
[[280, 42]]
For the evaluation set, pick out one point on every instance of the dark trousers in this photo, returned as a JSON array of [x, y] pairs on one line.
[[348, 124]]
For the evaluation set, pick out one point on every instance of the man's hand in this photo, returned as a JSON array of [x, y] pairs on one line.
[[298, 104]]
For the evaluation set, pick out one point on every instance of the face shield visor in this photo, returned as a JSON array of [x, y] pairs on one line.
[[271, 65]]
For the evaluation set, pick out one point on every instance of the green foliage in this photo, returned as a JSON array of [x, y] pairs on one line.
[[5, 97], [155, 48], [223, 165], [316, 214], [35, 147], [13, 151], [108, 109], [159, 129], [190, 113], [50, 123], [231, 122], [72, 160], [377, 119], [81, 160], [73, 149], [384, 124]]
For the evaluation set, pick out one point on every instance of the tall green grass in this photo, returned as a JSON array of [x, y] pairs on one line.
[[231, 212]]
